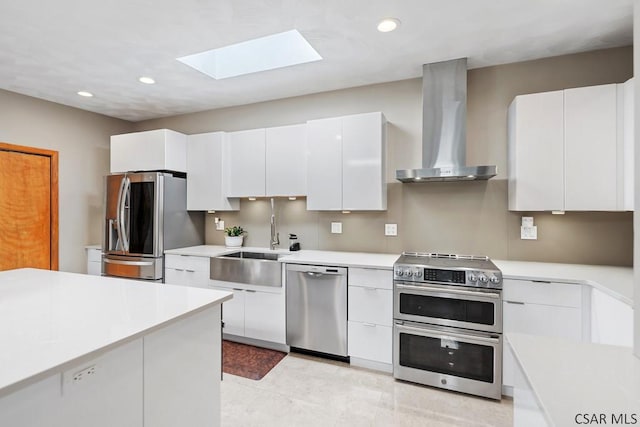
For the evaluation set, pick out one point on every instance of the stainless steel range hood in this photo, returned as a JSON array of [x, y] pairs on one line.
[[444, 127]]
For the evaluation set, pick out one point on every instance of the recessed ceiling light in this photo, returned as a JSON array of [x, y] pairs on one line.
[[146, 80], [388, 24], [85, 94], [262, 54]]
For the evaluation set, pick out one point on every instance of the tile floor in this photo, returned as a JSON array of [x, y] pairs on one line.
[[307, 391]]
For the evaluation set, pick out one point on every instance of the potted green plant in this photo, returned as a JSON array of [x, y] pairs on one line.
[[234, 236]]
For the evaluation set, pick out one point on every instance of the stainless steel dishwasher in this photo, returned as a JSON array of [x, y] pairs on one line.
[[317, 308]]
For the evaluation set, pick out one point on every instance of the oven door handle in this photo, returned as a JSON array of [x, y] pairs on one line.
[[462, 292], [449, 335]]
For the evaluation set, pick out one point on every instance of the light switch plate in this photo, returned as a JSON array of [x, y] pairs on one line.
[[529, 233], [336, 227], [220, 225], [391, 229]]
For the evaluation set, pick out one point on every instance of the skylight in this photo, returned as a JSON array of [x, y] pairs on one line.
[[265, 53]]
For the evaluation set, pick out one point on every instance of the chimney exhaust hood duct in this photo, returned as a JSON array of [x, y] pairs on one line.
[[444, 127]]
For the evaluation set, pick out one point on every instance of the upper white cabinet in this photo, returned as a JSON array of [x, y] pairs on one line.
[[286, 160], [267, 162], [346, 163], [160, 149], [324, 167], [205, 173], [567, 150], [246, 163], [591, 147], [535, 139], [626, 92]]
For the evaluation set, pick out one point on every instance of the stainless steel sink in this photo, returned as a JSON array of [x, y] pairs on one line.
[[251, 268]]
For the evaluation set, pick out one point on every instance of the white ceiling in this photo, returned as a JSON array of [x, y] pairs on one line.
[[52, 49]]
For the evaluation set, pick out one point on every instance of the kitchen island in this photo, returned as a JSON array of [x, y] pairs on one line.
[[81, 350]]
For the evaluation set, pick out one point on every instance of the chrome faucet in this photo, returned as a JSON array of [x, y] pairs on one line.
[[275, 237]]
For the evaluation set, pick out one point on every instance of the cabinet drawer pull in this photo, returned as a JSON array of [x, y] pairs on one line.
[[237, 289], [249, 290], [371, 325], [179, 269], [515, 302], [541, 281], [190, 271]]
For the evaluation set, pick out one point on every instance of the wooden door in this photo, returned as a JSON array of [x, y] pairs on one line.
[[28, 208]]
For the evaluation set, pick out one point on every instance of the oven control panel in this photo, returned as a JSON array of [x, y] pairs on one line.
[[475, 278]]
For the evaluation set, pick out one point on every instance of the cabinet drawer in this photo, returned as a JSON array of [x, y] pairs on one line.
[[183, 277], [187, 262], [528, 291], [371, 278], [371, 305], [370, 342]]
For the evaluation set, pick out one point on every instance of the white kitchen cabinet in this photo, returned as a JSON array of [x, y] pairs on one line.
[[186, 270], [264, 316], [324, 166], [536, 139], [539, 308], [591, 147], [611, 320], [370, 317], [626, 92], [363, 162], [233, 312], [567, 151], [160, 149], [256, 312], [205, 173], [94, 261], [286, 160], [346, 163], [245, 163]]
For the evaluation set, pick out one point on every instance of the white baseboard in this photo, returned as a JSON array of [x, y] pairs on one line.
[[257, 343]]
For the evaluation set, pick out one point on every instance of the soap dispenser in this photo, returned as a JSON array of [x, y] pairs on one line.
[[294, 245]]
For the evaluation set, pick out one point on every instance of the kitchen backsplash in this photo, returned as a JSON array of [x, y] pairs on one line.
[[462, 217]]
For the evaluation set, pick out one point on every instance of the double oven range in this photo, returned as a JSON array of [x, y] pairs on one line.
[[447, 329]]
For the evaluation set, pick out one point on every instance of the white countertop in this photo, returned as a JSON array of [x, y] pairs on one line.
[[347, 259], [50, 318], [615, 281], [570, 378], [350, 259]]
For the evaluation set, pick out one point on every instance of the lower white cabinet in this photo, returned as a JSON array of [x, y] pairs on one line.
[[186, 270], [370, 314], [94, 261], [264, 316], [254, 312], [611, 320], [539, 308]]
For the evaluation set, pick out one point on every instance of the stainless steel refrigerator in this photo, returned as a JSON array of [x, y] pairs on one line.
[[146, 214]]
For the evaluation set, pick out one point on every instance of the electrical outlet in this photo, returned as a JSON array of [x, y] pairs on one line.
[[529, 233], [336, 227], [82, 375], [220, 225], [391, 229]]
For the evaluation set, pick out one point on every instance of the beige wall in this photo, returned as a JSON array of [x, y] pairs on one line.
[[464, 217], [82, 140]]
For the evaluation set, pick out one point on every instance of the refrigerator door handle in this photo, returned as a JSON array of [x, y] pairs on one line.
[[119, 214], [126, 193]]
